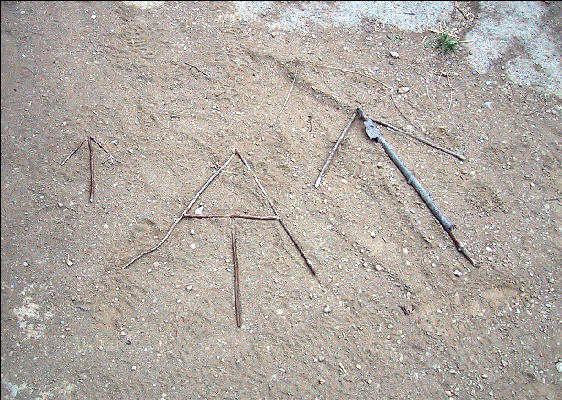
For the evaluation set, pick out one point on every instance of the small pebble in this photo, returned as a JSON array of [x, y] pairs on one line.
[[189, 288], [394, 54], [488, 104], [60, 205], [123, 333], [403, 89], [378, 267], [149, 270], [134, 368], [321, 359], [155, 264], [405, 251], [358, 366], [193, 245], [484, 376], [192, 232], [327, 310], [373, 234], [559, 366], [68, 262], [199, 210], [25, 264], [457, 273]]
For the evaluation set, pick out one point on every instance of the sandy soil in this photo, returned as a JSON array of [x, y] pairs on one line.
[[170, 89]]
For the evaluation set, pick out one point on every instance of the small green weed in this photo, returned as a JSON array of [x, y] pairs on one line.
[[446, 43]]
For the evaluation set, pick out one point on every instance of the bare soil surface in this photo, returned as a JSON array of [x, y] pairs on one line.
[[171, 89]]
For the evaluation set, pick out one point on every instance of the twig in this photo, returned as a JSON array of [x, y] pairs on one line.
[[554, 199], [460, 248], [71, 154], [184, 212], [400, 111], [92, 183], [450, 92], [257, 181], [308, 264], [104, 149], [426, 142], [234, 216], [333, 151], [289, 94], [237, 308], [197, 69], [427, 93], [350, 71], [461, 11]]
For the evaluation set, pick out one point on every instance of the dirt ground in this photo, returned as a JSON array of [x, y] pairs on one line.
[[170, 89]]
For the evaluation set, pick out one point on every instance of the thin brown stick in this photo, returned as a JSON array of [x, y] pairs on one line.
[[104, 149], [308, 264], [426, 142], [461, 11], [451, 90], [237, 307], [234, 216], [71, 154], [92, 183], [289, 94], [400, 111], [256, 179], [333, 151], [350, 71], [184, 212]]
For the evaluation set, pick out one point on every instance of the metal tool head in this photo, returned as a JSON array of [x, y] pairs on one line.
[[370, 127], [372, 130]]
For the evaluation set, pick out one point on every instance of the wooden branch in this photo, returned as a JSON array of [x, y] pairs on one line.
[[333, 151], [104, 149], [234, 216], [71, 154], [373, 133], [350, 71], [308, 264], [256, 179], [400, 111], [460, 248], [184, 212], [92, 183], [424, 141], [237, 307], [289, 94]]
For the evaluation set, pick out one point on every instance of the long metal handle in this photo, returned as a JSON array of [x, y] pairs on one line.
[[411, 179], [373, 133]]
